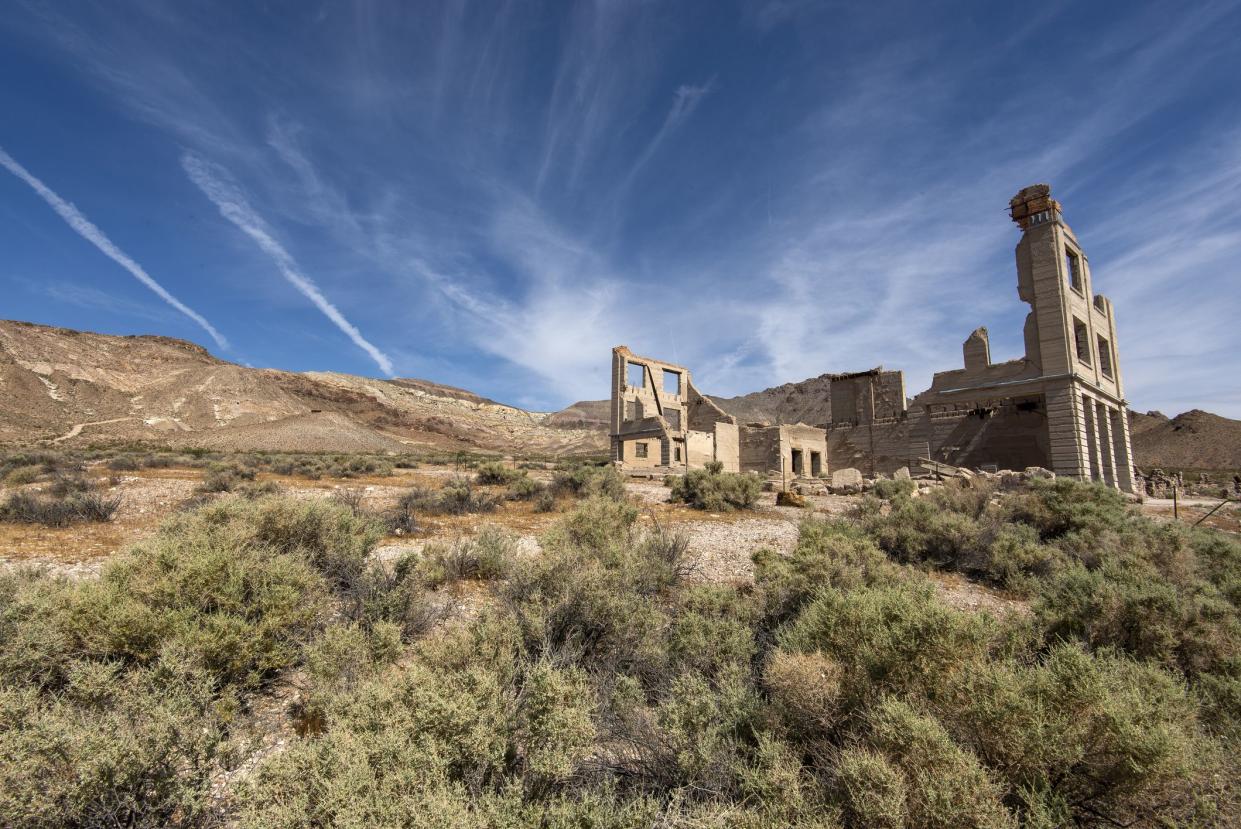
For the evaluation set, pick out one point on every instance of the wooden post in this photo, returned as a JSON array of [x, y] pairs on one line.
[[1176, 509]]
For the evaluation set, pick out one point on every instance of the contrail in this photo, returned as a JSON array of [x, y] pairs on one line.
[[233, 206], [87, 230]]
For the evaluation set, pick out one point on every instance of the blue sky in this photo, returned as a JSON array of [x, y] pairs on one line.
[[492, 195]]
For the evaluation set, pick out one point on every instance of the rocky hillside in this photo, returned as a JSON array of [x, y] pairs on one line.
[[804, 402], [70, 387], [1193, 440]]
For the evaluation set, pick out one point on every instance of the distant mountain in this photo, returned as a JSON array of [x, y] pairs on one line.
[[1193, 440], [73, 387], [804, 402]]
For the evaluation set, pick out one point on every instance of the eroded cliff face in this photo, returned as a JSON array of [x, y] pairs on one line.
[[70, 386]]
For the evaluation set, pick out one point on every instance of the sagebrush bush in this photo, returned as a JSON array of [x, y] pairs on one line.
[[486, 556], [590, 481], [59, 511], [495, 472], [111, 749], [525, 488], [715, 490]]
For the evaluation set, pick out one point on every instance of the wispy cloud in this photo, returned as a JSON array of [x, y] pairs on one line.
[[217, 186], [88, 231]]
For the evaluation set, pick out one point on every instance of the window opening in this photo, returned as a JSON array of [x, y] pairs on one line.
[[1073, 269], [672, 382], [1081, 341], [1105, 357], [636, 376]]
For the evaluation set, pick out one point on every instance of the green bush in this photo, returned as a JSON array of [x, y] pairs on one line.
[[890, 489], [485, 557], [225, 478], [525, 488], [590, 481], [112, 749], [897, 639], [1094, 738], [495, 472], [717, 491], [946, 786], [872, 789], [29, 508]]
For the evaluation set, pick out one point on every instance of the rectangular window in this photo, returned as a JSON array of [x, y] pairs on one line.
[[1073, 269], [1105, 357], [1081, 340], [639, 450], [673, 416], [635, 375], [677, 452], [672, 382]]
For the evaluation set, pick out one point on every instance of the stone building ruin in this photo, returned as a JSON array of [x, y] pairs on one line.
[[1060, 406]]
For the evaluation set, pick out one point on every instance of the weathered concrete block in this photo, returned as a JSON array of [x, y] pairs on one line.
[[902, 474], [846, 478], [1033, 472]]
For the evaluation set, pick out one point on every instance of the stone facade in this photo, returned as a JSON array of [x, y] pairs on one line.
[[1060, 406]]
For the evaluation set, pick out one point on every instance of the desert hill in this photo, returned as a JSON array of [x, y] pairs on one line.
[[1192, 440], [65, 386]]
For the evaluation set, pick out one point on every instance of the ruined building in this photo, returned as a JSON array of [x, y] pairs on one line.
[[1061, 406]]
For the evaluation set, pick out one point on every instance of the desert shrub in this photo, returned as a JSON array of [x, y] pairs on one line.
[[459, 497], [525, 488], [225, 478], [1012, 556], [1094, 739], [872, 789], [21, 475], [921, 530], [112, 749], [257, 489], [897, 639], [946, 786], [63, 485], [588, 481], [890, 489], [29, 508], [827, 554], [495, 472], [1064, 507], [122, 463], [545, 501], [350, 497], [804, 691], [715, 490], [487, 556]]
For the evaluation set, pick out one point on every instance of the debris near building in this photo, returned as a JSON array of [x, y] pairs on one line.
[[1060, 407]]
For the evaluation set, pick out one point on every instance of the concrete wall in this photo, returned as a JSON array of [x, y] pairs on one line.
[[728, 446]]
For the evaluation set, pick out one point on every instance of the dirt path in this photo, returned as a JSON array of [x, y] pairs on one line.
[[78, 427]]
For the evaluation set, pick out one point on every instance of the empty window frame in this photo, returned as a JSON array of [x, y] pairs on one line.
[[1081, 341], [676, 452], [1073, 269], [1105, 357], [672, 382], [635, 375], [673, 416], [639, 450]]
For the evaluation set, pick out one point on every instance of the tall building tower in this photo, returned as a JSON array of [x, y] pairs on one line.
[[1070, 338]]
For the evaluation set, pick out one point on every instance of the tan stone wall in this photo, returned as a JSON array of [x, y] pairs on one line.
[[727, 446], [629, 455]]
